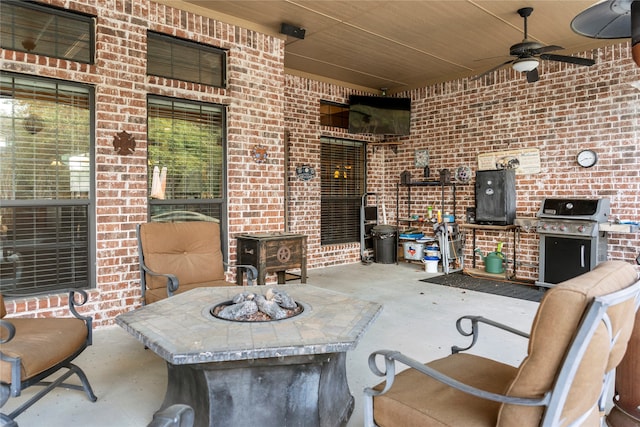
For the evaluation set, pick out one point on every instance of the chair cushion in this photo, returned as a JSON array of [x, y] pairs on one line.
[[418, 400], [60, 337], [154, 295], [189, 250], [556, 322]]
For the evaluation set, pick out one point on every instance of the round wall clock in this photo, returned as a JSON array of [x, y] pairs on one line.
[[587, 158]]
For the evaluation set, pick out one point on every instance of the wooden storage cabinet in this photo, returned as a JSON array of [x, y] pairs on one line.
[[273, 253]]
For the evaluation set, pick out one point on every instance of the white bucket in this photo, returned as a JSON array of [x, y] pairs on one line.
[[430, 264], [413, 250], [432, 251]]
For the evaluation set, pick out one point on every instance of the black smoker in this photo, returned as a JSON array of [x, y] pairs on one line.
[[571, 242]]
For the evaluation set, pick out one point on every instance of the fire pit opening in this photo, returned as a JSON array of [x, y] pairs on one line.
[[254, 307]]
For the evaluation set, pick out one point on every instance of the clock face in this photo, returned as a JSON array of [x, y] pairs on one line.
[[587, 158]]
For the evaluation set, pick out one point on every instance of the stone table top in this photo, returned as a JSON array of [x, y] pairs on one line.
[[181, 329]]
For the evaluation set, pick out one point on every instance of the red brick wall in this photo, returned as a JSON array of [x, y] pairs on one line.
[[569, 108], [255, 116]]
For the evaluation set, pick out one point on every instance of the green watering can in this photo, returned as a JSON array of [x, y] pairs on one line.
[[494, 261]]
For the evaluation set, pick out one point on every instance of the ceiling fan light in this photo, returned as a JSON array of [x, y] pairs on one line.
[[525, 65]]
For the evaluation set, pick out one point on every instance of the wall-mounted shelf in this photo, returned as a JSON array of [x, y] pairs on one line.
[[618, 228]]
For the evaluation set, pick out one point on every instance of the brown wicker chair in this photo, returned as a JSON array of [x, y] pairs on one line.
[[178, 256], [35, 348], [578, 337]]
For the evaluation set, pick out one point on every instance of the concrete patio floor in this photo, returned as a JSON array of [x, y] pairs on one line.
[[418, 319]]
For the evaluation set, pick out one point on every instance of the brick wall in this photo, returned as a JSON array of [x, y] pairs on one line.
[[255, 116], [568, 109]]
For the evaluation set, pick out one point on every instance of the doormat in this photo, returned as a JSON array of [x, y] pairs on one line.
[[496, 287]]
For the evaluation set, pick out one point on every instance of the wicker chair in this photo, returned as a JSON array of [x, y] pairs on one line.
[[35, 348], [578, 337]]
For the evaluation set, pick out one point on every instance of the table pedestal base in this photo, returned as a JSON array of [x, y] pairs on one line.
[[289, 391]]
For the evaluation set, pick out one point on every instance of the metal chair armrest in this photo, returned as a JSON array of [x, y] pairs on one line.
[[172, 280], [73, 303], [11, 331], [389, 373], [474, 332], [252, 272], [177, 415]]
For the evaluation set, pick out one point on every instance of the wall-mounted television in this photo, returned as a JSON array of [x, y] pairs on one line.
[[379, 115]]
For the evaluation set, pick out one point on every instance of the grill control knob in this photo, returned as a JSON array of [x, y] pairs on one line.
[[581, 228], [554, 227], [545, 226], [563, 227]]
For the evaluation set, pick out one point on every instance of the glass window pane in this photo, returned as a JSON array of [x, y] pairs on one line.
[[46, 136], [30, 27], [45, 185], [184, 60], [185, 157], [342, 186]]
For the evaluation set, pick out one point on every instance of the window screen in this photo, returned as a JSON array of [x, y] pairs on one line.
[[343, 183], [45, 184], [30, 27], [186, 160]]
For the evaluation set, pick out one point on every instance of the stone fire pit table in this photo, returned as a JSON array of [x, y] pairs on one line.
[[289, 372]]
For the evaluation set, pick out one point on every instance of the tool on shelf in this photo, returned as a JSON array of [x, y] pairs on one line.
[[368, 220]]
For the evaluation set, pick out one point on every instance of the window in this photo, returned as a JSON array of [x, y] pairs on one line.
[[185, 60], [332, 114], [45, 185], [186, 160], [30, 27], [343, 184]]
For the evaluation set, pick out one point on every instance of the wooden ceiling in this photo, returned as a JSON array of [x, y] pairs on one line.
[[399, 45]]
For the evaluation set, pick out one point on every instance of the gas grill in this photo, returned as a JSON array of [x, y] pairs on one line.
[[571, 242]]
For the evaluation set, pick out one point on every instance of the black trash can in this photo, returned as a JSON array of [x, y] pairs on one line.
[[384, 244]]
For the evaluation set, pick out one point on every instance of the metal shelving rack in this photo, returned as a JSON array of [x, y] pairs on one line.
[[445, 238]]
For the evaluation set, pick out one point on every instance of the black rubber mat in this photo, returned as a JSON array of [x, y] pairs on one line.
[[503, 288]]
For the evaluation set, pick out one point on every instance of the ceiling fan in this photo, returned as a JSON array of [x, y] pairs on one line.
[[528, 53]]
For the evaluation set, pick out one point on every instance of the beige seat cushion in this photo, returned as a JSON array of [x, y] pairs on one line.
[[417, 400], [555, 324], [189, 250], [42, 343]]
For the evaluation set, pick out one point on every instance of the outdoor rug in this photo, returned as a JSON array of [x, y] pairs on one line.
[[497, 287]]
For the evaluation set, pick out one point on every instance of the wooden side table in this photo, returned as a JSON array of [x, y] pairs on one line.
[[272, 253]]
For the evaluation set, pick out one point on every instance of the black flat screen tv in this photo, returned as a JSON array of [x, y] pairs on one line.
[[379, 115]]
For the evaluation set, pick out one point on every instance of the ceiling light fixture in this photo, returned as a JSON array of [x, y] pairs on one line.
[[525, 65]]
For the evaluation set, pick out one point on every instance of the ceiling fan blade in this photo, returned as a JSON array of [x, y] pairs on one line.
[[545, 49], [492, 70], [569, 59], [532, 76]]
